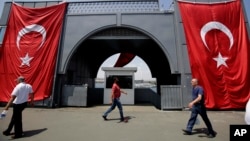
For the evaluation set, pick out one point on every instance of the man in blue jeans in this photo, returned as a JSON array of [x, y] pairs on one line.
[[115, 99], [197, 106]]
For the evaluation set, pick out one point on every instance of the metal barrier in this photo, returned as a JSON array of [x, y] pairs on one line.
[[171, 97], [74, 95]]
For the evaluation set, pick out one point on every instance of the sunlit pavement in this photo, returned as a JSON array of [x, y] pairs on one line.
[[145, 123]]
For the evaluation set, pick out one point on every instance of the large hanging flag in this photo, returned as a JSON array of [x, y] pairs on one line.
[[219, 51], [30, 48]]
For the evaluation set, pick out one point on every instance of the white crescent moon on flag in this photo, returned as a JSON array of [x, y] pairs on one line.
[[216, 25], [29, 28]]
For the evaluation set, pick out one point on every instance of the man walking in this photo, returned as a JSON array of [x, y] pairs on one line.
[[197, 106], [19, 98], [115, 99]]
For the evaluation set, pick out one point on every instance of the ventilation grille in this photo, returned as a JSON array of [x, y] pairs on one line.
[[112, 7], [118, 32]]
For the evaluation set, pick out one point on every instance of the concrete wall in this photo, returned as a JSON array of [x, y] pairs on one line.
[[161, 32]]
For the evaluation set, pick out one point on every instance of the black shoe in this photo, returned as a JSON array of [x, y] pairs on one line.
[[122, 119], [186, 132], [104, 117], [6, 133], [211, 135], [16, 136]]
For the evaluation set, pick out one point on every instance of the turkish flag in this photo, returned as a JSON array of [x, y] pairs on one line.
[[124, 59], [219, 51], [30, 48]]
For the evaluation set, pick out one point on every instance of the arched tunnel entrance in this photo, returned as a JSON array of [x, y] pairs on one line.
[[93, 51]]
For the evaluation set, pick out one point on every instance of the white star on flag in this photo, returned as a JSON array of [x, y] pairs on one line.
[[26, 60], [221, 60]]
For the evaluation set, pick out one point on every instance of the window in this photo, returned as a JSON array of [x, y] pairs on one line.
[[125, 81]]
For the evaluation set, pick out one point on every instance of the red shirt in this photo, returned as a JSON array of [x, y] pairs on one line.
[[116, 90]]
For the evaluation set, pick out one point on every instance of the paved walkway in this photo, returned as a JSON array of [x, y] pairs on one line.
[[145, 123]]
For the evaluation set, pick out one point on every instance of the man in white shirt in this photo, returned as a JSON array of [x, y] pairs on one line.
[[19, 98]]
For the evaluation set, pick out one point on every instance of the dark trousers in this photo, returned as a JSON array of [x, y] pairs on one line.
[[16, 119], [201, 110]]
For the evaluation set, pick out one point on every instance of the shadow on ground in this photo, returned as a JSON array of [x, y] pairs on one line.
[[30, 133]]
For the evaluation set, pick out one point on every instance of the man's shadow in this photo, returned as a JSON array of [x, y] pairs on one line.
[[201, 131], [126, 119], [30, 133]]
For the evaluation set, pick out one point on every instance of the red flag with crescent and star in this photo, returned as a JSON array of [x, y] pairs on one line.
[[30, 48], [219, 51]]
